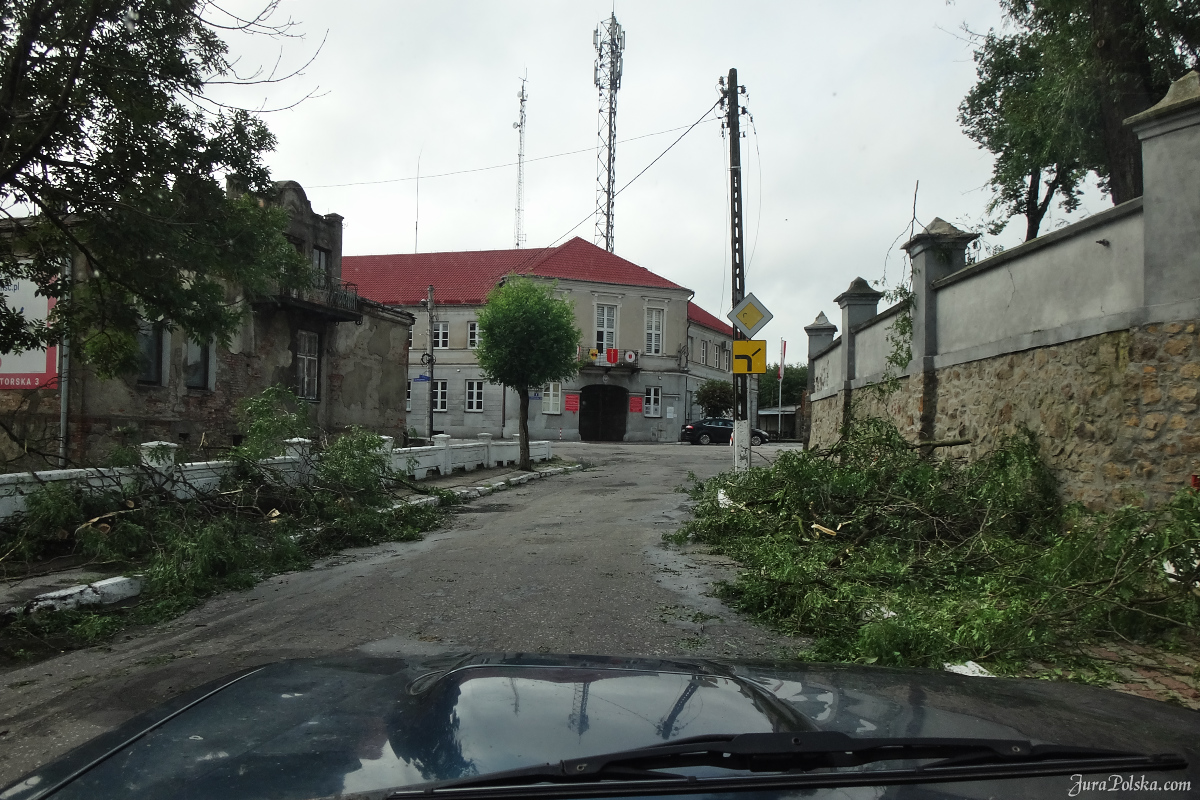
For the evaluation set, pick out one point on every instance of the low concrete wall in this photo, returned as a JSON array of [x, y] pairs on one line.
[[194, 479]]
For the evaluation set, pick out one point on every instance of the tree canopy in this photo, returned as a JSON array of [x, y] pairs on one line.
[[795, 381], [715, 397], [527, 338], [110, 147], [1052, 95]]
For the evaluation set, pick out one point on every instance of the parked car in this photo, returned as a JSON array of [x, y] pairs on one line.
[[540, 725], [718, 430]]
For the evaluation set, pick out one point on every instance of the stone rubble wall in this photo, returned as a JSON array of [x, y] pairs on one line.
[[1115, 414]]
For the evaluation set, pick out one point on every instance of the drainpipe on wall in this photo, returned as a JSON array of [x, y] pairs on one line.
[[64, 392], [64, 386]]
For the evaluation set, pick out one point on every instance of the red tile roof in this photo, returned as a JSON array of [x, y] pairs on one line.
[[699, 316], [467, 277]]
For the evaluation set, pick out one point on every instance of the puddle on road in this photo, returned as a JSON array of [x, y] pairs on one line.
[[482, 508]]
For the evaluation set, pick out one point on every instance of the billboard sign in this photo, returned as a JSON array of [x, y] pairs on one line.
[[32, 369]]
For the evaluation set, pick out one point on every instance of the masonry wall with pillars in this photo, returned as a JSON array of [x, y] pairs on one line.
[[1088, 336]]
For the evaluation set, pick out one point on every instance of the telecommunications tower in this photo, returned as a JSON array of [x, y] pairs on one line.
[[520, 126], [609, 40]]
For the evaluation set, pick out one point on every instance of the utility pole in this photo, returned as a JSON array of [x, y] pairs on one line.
[[428, 359], [520, 126], [731, 103], [609, 41]]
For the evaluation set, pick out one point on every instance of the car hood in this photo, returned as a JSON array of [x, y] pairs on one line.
[[332, 726]]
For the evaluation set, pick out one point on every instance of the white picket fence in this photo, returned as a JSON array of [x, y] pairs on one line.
[[199, 477]]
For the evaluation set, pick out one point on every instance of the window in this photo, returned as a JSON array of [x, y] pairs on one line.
[[727, 350], [150, 353], [439, 395], [441, 335], [654, 330], [408, 395], [474, 395], [652, 407], [308, 364], [691, 348], [410, 337], [472, 335], [321, 261], [552, 398], [704, 352], [195, 365], [606, 327]]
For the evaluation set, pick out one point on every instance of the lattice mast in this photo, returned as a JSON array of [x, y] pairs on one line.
[[609, 40], [519, 234]]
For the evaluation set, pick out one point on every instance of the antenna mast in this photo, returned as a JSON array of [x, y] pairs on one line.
[[520, 126], [609, 41]]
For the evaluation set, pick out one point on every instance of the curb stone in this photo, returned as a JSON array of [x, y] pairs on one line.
[[100, 593], [474, 492]]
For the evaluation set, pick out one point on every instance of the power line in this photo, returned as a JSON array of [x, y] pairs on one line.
[[496, 166], [640, 174]]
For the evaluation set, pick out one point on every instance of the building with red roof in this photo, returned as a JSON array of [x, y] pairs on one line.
[[641, 332]]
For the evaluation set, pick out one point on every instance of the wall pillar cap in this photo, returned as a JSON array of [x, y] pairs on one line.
[[859, 293], [938, 232], [820, 325], [1183, 95]]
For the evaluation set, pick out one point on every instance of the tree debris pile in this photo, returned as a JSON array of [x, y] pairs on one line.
[[881, 556], [256, 525]]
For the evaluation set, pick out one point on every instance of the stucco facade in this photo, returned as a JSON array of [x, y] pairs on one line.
[[646, 395], [347, 357]]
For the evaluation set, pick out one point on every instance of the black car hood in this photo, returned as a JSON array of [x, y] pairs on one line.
[[332, 726]]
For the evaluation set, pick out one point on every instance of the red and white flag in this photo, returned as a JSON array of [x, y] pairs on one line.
[[782, 355]]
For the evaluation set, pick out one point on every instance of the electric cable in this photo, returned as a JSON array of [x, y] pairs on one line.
[[495, 166], [640, 174]]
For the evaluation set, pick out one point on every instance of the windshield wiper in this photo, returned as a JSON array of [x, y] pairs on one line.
[[790, 759]]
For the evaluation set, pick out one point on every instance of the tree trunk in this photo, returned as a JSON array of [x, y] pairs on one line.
[[525, 464], [1125, 88], [1033, 208]]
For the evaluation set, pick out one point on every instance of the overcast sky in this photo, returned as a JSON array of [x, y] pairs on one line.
[[853, 103]]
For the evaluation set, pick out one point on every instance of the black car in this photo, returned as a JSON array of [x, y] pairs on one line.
[[507, 725], [717, 429]]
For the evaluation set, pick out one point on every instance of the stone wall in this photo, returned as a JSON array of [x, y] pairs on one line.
[[1086, 336], [1115, 415]]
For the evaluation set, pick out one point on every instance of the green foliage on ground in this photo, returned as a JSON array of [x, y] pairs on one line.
[[715, 397], [883, 557], [259, 524]]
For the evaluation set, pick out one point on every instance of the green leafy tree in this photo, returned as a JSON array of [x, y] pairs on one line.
[[1016, 112], [527, 338], [795, 381], [111, 148], [715, 397], [1053, 96]]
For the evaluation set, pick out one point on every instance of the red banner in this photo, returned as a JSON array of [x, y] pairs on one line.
[[571, 402], [635, 404], [612, 355]]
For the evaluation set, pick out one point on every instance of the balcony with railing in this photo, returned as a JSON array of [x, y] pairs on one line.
[[328, 297]]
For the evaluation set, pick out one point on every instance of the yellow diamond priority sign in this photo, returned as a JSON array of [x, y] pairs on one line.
[[749, 316], [750, 357]]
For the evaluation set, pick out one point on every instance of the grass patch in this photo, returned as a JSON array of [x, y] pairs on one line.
[[883, 557]]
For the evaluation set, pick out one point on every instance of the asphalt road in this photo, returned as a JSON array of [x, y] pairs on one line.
[[567, 564]]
